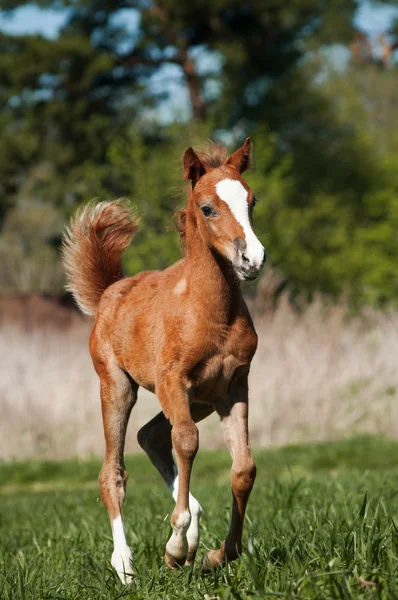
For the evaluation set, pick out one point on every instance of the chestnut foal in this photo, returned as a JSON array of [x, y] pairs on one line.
[[184, 333]]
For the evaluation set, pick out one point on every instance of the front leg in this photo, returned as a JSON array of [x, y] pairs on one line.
[[234, 420], [185, 439], [155, 439]]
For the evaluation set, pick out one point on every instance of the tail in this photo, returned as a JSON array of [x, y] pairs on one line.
[[92, 249]]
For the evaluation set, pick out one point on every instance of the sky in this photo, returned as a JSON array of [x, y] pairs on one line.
[[30, 19], [375, 19]]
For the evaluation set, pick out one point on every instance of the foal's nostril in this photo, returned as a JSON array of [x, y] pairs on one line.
[[264, 257], [245, 259], [239, 244]]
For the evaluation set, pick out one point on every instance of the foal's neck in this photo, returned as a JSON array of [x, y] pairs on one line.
[[211, 277]]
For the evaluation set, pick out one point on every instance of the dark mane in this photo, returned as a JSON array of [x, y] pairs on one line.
[[212, 156]]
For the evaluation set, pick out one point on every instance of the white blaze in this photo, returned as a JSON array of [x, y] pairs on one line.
[[232, 192]]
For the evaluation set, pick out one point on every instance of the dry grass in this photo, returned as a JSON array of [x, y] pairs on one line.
[[316, 375], [320, 376]]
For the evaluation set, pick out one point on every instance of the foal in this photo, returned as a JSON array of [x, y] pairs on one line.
[[184, 333]]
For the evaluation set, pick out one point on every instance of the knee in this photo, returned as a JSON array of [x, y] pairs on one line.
[[186, 439], [121, 478], [112, 479], [243, 478], [103, 478]]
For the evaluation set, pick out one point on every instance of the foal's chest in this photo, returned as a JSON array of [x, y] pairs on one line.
[[210, 378]]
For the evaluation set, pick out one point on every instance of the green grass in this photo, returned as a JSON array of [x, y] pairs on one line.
[[322, 523]]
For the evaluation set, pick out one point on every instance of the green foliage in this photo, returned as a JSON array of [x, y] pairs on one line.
[[81, 118], [374, 453], [153, 185], [321, 523], [29, 257], [332, 226], [59, 113]]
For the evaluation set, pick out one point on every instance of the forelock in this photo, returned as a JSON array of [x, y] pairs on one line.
[[212, 155]]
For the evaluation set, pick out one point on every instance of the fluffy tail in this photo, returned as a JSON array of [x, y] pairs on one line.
[[92, 249]]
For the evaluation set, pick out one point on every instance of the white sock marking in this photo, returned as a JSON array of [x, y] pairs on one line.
[[121, 556], [192, 534], [177, 545], [232, 192]]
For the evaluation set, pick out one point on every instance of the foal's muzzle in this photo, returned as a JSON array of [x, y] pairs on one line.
[[249, 262]]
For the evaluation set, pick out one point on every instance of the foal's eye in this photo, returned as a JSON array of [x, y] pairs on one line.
[[206, 210]]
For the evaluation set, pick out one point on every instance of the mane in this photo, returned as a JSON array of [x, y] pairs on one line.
[[212, 156], [180, 214]]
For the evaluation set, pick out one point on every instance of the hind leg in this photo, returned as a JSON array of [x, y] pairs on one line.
[[118, 396], [233, 412], [155, 439]]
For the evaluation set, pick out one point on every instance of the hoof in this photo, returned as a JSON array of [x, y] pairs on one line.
[[190, 559], [173, 563], [213, 560], [123, 565]]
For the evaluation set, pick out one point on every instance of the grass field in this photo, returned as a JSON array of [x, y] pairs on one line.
[[322, 523]]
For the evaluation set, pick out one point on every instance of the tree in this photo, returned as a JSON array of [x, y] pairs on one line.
[[64, 100], [80, 118]]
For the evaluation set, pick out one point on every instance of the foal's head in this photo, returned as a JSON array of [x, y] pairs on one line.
[[222, 204]]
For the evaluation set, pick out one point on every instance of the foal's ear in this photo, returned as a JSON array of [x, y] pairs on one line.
[[240, 159], [193, 168]]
